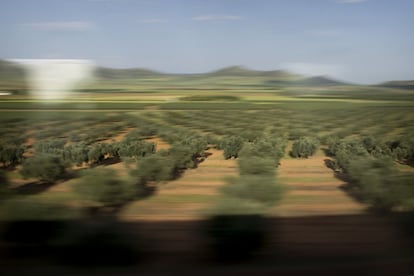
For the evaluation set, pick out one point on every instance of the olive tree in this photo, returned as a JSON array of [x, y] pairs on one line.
[[257, 166], [379, 183], [46, 167], [402, 149], [258, 189], [53, 146], [345, 152], [231, 146], [76, 153], [257, 181], [11, 155], [96, 153], [104, 187], [272, 148], [304, 147], [135, 148], [154, 168]]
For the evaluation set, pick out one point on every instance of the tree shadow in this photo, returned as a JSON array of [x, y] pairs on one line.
[[37, 187], [235, 238], [32, 188], [200, 158], [349, 186], [9, 167], [329, 164], [196, 159], [407, 162], [356, 244], [107, 161], [146, 191], [326, 151], [111, 161]]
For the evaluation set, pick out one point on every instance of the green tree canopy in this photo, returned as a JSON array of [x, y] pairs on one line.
[[103, 186], [304, 147], [231, 146], [46, 167]]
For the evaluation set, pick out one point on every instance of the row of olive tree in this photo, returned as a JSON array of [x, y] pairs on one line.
[[168, 164], [400, 149], [231, 145], [257, 167], [79, 153], [373, 174], [237, 228], [344, 152], [380, 184], [104, 188], [52, 158]]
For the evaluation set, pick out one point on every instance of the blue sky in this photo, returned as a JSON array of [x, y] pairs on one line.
[[364, 41]]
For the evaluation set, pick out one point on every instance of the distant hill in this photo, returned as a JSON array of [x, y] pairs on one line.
[[111, 73], [409, 84], [241, 71], [13, 75], [230, 71], [319, 81], [233, 71]]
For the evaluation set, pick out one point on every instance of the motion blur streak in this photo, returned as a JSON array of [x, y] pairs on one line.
[[55, 78]]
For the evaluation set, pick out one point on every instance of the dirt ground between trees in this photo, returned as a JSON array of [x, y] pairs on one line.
[[312, 189], [161, 144], [188, 197]]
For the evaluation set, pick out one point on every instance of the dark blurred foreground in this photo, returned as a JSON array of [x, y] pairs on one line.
[[223, 245]]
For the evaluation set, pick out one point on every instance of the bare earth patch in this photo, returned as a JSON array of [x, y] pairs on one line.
[[161, 144], [120, 136]]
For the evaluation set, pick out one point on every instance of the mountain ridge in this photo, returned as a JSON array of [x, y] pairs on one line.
[[11, 71]]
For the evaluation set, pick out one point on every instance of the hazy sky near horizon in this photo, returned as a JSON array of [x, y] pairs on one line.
[[363, 41]]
